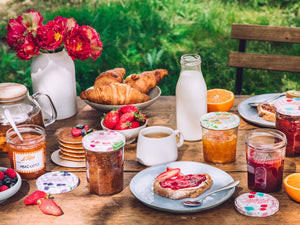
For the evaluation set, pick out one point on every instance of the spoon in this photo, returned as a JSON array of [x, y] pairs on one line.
[[267, 100], [199, 201], [12, 123]]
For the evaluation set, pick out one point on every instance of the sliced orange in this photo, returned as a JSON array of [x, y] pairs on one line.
[[292, 186], [219, 100]]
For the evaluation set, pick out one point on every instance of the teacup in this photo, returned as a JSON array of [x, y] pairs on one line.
[[157, 145]]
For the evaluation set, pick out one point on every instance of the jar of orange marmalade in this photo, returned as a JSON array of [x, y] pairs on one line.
[[27, 157], [219, 136]]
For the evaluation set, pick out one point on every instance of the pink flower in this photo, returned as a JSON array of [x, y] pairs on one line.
[[27, 48], [15, 32], [68, 24], [95, 42], [31, 20], [77, 44], [51, 35]]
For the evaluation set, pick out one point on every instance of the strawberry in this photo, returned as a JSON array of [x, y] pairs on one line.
[[34, 197], [128, 108], [86, 127], [76, 132], [171, 172], [111, 119], [127, 117], [49, 207], [140, 117], [1, 175], [123, 126], [11, 173], [135, 124]]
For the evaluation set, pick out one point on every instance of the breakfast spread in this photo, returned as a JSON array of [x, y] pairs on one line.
[[175, 185], [110, 88], [70, 144]]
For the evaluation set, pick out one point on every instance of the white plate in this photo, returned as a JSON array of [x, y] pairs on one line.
[[153, 94], [250, 113], [66, 163], [141, 187]]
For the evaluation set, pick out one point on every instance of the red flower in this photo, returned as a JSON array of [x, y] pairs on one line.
[[15, 32], [28, 48], [31, 20], [78, 44], [95, 42], [51, 35]]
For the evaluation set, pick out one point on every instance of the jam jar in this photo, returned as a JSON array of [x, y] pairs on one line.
[[288, 121], [219, 136], [23, 108]]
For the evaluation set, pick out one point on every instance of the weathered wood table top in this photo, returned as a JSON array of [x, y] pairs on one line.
[[81, 207]]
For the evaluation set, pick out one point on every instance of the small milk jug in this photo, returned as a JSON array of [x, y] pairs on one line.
[[191, 97]]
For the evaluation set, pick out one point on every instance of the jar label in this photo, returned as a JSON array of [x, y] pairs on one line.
[[29, 162]]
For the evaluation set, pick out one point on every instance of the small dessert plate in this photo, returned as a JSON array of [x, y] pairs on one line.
[[66, 163]]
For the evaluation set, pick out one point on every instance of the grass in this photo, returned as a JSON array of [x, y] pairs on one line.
[[145, 35]]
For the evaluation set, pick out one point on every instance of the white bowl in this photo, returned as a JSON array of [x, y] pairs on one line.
[[130, 134], [153, 94], [4, 195]]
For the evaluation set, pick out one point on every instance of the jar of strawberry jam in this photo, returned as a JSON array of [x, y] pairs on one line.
[[219, 136], [288, 121]]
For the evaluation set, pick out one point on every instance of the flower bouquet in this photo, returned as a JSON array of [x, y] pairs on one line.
[[28, 36]]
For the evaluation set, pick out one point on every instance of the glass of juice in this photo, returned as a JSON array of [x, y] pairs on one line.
[[219, 137], [265, 153], [104, 155], [27, 157]]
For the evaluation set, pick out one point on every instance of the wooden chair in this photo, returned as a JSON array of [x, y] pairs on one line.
[[241, 59]]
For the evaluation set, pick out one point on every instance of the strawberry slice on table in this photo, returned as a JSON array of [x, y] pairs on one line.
[[34, 197], [171, 172], [111, 119], [128, 108], [49, 207]]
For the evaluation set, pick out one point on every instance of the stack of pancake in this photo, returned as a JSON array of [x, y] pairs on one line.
[[70, 147]]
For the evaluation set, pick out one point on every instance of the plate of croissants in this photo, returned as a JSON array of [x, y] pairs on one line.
[[111, 90]]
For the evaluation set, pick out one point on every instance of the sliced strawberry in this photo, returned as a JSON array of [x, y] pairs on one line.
[[128, 108], [76, 132], [49, 207], [111, 119], [168, 174], [34, 197]]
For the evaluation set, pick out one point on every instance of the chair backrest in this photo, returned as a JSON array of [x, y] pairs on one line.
[[241, 59]]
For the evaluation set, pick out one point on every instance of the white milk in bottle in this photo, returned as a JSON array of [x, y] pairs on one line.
[[191, 98]]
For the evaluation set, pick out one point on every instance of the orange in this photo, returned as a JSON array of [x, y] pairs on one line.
[[219, 100], [292, 186]]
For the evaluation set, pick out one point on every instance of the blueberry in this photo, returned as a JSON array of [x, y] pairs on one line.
[[90, 130], [14, 180], [10, 185], [83, 132], [79, 126], [1, 183], [7, 180]]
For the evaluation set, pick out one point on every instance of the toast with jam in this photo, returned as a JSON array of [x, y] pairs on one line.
[[175, 185]]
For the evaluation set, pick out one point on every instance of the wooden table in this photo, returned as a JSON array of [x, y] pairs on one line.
[[81, 207]]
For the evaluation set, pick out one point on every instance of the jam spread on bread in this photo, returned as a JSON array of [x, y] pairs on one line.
[[185, 181]]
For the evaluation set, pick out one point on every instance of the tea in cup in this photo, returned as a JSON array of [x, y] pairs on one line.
[[157, 145]]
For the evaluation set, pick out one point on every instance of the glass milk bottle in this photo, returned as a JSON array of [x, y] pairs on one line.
[[191, 97]]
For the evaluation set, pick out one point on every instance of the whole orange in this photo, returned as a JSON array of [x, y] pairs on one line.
[[219, 100]]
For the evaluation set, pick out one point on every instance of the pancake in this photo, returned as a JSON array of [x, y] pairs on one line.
[[72, 158], [72, 146], [75, 155], [81, 151], [65, 136]]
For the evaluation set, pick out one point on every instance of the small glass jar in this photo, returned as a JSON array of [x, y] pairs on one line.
[[265, 153], [27, 157], [104, 154], [219, 136], [288, 121]]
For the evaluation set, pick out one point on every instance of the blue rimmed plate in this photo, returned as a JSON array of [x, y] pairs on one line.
[[141, 187]]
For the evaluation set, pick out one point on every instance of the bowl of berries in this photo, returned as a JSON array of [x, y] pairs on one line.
[[10, 183], [127, 120]]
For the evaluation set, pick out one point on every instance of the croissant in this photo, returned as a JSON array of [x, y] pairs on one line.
[[147, 80], [114, 94], [110, 76]]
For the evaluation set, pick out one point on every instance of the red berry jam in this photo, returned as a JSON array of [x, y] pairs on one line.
[[181, 182]]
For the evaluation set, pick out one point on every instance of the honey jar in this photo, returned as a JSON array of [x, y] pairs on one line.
[[219, 136]]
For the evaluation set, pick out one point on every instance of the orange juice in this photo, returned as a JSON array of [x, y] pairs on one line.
[[27, 157]]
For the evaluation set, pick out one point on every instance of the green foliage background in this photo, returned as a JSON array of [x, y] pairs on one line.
[[149, 34]]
